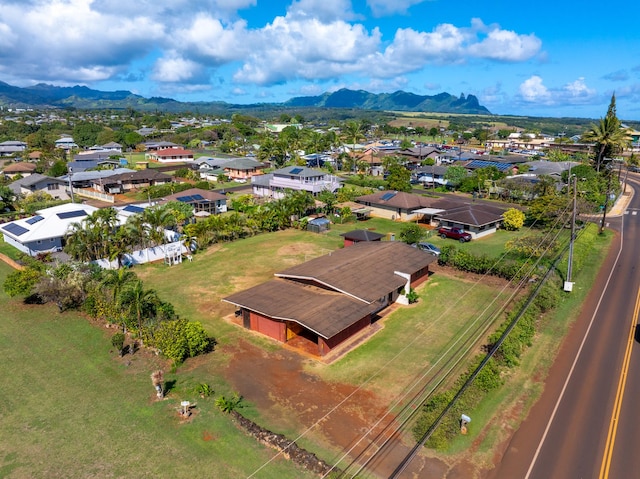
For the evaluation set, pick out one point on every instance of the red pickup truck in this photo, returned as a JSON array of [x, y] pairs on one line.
[[455, 233]]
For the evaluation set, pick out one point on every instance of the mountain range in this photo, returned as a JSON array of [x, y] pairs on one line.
[[82, 97]]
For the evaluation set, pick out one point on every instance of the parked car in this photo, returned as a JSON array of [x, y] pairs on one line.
[[429, 248], [455, 233]]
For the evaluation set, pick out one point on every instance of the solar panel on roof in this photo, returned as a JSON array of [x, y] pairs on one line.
[[198, 197], [35, 219], [388, 196], [296, 171], [184, 199], [71, 214], [133, 209], [484, 164], [15, 229]]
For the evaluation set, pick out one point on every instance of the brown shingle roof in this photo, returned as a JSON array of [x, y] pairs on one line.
[[362, 235], [325, 312], [365, 270], [473, 214], [21, 167], [396, 199]]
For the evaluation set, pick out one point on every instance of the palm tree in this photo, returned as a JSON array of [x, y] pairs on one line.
[[353, 131], [140, 302], [608, 135], [117, 281], [159, 218]]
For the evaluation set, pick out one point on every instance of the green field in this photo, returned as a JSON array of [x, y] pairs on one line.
[[72, 409]]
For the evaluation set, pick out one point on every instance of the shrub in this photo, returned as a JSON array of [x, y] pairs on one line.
[[229, 404], [22, 282], [180, 339], [117, 340], [513, 219]]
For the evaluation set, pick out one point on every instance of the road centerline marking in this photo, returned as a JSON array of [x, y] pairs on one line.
[[615, 414]]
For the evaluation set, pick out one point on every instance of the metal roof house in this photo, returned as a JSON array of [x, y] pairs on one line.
[[45, 231]]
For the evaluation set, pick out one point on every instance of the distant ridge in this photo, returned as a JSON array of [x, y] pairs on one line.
[[82, 97], [397, 101]]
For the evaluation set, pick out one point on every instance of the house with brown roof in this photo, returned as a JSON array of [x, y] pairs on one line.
[[21, 168], [394, 205], [478, 219], [327, 300]]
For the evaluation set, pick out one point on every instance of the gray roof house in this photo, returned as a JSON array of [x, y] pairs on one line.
[[55, 187], [296, 178], [12, 148]]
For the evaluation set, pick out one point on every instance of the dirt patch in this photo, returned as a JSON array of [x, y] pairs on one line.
[[290, 399]]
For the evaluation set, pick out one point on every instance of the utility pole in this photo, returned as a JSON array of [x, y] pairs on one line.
[[606, 204], [568, 284]]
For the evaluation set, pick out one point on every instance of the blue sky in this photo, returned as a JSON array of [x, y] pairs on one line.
[[539, 58]]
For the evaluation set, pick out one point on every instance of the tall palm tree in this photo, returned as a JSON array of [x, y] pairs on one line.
[[353, 131], [608, 135]]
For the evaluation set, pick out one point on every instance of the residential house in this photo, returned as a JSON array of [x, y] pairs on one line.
[[28, 185], [204, 202], [46, 230], [295, 178], [242, 169], [325, 301], [65, 143], [394, 205], [12, 148], [129, 181], [478, 219], [159, 145], [21, 168], [171, 155]]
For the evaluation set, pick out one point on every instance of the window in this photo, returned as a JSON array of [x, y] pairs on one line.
[[53, 186]]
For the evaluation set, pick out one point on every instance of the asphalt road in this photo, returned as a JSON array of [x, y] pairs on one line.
[[584, 425]]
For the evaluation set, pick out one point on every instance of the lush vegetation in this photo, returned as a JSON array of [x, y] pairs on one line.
[[523, 322]]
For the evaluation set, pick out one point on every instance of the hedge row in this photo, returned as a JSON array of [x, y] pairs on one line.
[[491, 376], [510, 269]]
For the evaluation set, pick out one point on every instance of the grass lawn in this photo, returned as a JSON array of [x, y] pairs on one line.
[[71, 408], [502, 411], [196, 290]]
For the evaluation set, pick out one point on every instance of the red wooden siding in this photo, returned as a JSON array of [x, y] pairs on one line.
[[269, 327]]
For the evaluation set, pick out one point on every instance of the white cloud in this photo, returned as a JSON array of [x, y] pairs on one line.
[[173, 69], [182, 41], [506, 45], [533, 90], [288, 49], [325, 11], [576, 92], [381, 8]]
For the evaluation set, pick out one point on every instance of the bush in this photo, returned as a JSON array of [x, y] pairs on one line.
[[117, 341], [21, 282], [513, 219], [181, 339], [229, 404]]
